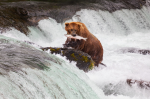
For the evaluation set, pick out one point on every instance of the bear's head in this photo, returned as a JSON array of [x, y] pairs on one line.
[[74, 28]]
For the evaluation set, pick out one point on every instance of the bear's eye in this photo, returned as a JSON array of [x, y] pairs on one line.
[[71, 29]]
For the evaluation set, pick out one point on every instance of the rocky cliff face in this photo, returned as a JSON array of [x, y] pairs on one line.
[[28, 13]]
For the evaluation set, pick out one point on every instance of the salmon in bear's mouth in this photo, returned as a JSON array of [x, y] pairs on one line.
[[75, 37]]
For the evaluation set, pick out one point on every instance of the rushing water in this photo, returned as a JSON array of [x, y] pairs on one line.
[[118, 32]]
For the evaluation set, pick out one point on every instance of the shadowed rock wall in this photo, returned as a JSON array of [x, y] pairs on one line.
[[22, 14]]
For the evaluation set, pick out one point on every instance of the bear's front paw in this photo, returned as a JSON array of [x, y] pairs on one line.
[[65, 45], [71, 44]]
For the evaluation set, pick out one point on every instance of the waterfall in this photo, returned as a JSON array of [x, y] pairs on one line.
[[29, 73], [118, 32]]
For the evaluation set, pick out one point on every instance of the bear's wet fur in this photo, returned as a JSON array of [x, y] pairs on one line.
[[92, 45]]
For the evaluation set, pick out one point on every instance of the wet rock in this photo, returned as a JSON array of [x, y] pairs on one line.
[[83, 60], [136, 50], [139, 83]]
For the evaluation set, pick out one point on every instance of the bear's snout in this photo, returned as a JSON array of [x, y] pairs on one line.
[[73, 34]]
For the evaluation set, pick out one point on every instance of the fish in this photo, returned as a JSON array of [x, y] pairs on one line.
[[75, 37]]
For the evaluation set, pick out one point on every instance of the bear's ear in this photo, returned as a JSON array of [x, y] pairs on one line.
[[79, 25], [81, 29], [66, 24]]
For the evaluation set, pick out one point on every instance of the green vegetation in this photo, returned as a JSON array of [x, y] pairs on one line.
[[91, 66], [75, 58], [55, 50], [85, 59]]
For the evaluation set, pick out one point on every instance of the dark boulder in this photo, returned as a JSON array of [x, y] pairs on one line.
[[136, 50], [83, 60], [139, 83]]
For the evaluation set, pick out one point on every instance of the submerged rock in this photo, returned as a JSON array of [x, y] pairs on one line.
[[139, 83], [136, 50], [14, 57]]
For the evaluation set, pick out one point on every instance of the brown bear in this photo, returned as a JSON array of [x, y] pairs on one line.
[[91, 45]]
